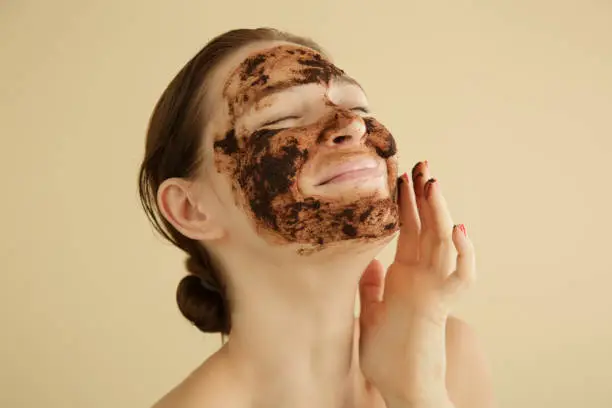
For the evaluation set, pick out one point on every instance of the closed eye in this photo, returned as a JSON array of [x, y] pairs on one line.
[[275, 121], [361, 109]]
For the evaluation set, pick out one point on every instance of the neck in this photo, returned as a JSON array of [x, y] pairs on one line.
[[293, 326]]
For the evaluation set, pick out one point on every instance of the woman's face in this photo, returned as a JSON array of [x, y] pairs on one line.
[[292, 138]]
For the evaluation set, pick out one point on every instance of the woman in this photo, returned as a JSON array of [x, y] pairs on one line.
[[263, 164]]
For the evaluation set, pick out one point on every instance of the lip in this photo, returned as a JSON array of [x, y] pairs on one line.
[[354, 169]]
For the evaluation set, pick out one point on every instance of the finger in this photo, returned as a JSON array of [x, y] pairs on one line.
[[439, 239], [465, 272], [421, 174], [439, 219], [421, 169], [371, 286], [410, 225], [443, 256]]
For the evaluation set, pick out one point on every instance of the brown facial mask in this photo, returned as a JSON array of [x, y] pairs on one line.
[[265, 165]]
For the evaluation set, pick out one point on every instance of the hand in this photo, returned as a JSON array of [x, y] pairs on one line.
[[403, 316]]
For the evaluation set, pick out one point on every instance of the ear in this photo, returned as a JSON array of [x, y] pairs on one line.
[[179, 206]]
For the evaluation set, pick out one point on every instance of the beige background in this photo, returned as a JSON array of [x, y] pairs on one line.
[[509, 101]]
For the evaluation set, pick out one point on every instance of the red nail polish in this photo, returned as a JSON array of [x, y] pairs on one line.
[[462, 228]]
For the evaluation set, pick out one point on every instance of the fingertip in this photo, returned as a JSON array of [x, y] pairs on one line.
[[459, 236], [419, 184], [430, 186], [460, 230], [403, 190], [375, 264], [413, 172], [373, 274], [465, 252], [401, 183], [403, 180]]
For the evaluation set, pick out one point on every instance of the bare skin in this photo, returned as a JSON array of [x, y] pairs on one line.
[[294, 341], [214, 383]]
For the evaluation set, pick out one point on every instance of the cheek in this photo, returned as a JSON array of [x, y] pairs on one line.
[[225, 152], [270, 161], [380, 138], [267, 156], [267, 172]]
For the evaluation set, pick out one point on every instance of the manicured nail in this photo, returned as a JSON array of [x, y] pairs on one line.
[[400, 181], [415, 169], [428, 187], [403, 179], [462, 228], [397, 189], [417, 185]]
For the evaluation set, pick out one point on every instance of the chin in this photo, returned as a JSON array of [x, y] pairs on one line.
[[368, 247], [348, 253]]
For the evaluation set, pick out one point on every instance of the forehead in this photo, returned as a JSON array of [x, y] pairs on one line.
[[279, 67], [262, 68]]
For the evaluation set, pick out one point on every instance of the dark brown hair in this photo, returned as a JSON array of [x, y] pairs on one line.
[[173, 150]]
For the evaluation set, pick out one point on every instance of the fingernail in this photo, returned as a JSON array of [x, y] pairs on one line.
[[403, 178], [400, 181], [463, 229], [426, 163], [415, 179], [428, 187], [415, 169]]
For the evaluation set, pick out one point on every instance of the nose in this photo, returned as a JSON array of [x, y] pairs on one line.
[[345, 129]]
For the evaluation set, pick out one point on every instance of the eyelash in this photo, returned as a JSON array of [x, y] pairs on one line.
[[275, 121], [272, 122]]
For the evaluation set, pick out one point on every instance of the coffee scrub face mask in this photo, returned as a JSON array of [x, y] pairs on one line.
[[280, 170]]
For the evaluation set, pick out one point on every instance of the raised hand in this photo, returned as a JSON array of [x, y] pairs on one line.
[[403, 315]]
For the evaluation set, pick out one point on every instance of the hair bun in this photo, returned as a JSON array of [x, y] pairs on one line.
[[201, 301]]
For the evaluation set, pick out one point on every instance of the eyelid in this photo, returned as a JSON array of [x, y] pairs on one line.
[[275, 121], [361, 109]]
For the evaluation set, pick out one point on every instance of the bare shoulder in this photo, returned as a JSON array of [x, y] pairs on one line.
[[468, 375], [209, 385]]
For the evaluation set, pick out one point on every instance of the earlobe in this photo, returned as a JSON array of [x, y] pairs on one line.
[[181, 209]]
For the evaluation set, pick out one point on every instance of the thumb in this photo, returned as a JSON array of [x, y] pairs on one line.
[[371, 287]]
